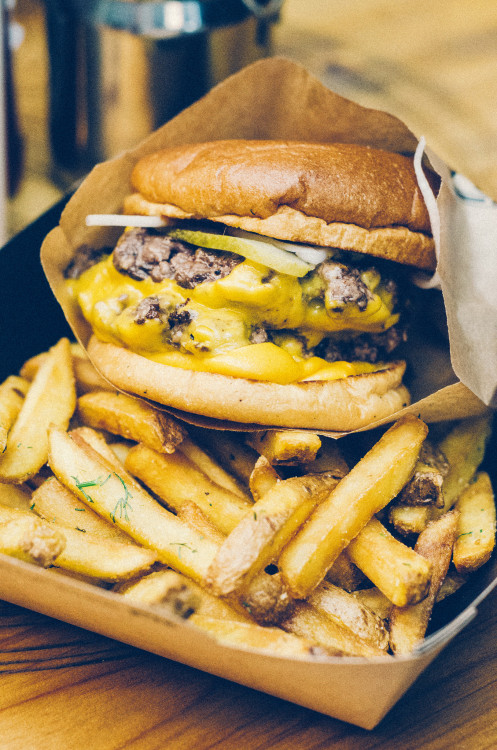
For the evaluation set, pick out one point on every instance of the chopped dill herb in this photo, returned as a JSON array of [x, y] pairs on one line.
[[123, 503], [78, 529], [81, 486]]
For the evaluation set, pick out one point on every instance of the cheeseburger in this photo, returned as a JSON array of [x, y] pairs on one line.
[[266, 290]]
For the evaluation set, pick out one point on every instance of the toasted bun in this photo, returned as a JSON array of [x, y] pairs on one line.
[[336, 405], [339, 195]]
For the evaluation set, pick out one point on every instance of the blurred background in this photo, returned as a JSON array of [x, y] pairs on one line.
[[87, 78]]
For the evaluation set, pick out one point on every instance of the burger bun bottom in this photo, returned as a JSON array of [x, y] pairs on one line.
[[333, 405]]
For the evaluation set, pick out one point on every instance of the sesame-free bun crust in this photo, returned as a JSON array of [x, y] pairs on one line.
[[337, 405], [340, 195]]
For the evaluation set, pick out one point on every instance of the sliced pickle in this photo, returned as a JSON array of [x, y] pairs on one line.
[[257, 251]]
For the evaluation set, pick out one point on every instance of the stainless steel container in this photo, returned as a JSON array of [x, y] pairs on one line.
[[121, 68]]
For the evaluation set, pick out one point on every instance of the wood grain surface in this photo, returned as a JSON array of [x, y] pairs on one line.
[[433, 64]]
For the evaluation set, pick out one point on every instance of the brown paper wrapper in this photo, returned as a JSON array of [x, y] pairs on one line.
[[272, 99]]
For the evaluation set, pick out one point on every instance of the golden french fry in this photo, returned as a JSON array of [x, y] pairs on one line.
[[96, 440], [375, 600], [87, 378], [263, 532], [120, 450], [330, 633], [191, 514], [102, 558], [266, 597], [408, 624], [345, 574], [14, 496], [164, 588], [263, 478], [230, 450], [425, 486], [346, 609], [84, 553], [12, 393], [464, 448], [117, 496], [56, 504], [212, 469], [30, 539], [291, 447], [328, 458], [451, 583], [51, 399], [410, 519], [250, 635], [397, 570], [373, 482], [476, 533], [176, 480], [131, 419]]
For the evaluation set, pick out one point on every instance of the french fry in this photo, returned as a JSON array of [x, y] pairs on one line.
[[131, 419], [250, 635], [56, 504], [397, 570], [263, 478], [176, 480], [92, 556], [120, 450], [96, 440], [30, 539], [330, 633], [231, 451], [115, 495], [87, 378], [14, 496], [290, 447], [375, 600], [476, 532], [425, 486], [102, 558], [266, 597], [12, 393], [212, 469], [451, 583], [166, 587], [263, 532], [328, 458], [343, 607], [410, 519], [408, 624], [50, 400], [366, 489], [345, 574], [191, 514], [464, 448]]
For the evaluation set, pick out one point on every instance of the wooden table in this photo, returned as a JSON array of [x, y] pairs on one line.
[[433, 64]]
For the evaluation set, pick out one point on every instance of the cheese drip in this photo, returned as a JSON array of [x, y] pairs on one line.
[[214, 326]]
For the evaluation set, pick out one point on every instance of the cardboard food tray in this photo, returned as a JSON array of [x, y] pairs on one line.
[[355, 690]]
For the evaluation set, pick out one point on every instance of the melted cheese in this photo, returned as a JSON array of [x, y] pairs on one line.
[[222, 317]]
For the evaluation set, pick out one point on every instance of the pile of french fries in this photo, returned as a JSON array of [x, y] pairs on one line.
[[273, 540]]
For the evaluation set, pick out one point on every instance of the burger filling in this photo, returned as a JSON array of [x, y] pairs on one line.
[[218, 311]]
